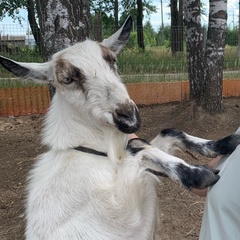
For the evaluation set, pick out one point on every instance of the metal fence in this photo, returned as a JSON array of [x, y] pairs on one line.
[[155, 76]]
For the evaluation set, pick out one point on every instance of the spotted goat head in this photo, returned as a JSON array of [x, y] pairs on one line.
[[85, 75]]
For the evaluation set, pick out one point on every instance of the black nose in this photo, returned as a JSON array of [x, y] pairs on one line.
[[126, 118], [124, 114]]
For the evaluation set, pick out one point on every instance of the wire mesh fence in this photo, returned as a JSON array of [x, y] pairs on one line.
[[158, 74]]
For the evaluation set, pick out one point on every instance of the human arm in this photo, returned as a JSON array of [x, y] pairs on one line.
[[133, 135]]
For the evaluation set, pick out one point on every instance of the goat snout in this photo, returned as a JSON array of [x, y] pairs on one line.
[[197, 176], [127, 118]]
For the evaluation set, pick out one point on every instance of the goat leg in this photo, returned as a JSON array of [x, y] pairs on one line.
[[158, 162], [171, 139]]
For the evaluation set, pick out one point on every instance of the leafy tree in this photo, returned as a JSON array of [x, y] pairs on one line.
[[167, 36], [99, 10], [11, 8], [149, 34], [136, 10], [104, 15], [232, 36]]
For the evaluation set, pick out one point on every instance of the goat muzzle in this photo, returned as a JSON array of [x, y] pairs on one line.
[[127, 118]]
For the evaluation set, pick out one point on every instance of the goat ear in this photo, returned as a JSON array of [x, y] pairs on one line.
[[31, 71], [118, 40]]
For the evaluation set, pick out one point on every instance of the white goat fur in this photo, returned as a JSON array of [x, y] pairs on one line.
[[77, 195]]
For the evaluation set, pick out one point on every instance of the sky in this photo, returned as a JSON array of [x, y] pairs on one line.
[[7, 26]]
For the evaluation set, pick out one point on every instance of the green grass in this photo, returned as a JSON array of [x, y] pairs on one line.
[[157, 60], [231, 60], [154, 65], [152, 61], [20, 54]]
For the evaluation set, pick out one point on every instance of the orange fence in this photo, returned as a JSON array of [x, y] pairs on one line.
[[35, 100], [161, 92], [24, 100]]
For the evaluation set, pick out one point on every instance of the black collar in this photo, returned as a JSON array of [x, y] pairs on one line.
[[90, 150]]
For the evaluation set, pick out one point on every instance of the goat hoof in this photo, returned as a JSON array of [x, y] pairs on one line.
[[199, 177]]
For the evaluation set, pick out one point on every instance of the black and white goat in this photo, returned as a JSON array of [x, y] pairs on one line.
[[93, 182]]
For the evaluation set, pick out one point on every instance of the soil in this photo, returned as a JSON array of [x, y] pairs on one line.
[[181, 211]]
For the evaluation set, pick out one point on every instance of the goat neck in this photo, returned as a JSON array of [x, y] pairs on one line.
[[66, 128]]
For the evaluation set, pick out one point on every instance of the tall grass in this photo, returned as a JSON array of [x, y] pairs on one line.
[[160, 60], [154, 65], [20, 54], [231, 59], [152, 61]]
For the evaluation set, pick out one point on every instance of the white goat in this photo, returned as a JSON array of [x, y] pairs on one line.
[[93, 183]]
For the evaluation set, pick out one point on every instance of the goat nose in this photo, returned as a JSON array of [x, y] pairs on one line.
[[127, 118], [124, 113]]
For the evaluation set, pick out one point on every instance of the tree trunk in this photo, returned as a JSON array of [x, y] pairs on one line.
[[174, 26], [116, 14], [98, 27], [206, 68], [34, 25], [180, 26], [195, 54], [212, 92], [63, 23], [140, 37]]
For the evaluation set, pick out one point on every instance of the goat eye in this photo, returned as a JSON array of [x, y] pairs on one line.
[[67, 80]]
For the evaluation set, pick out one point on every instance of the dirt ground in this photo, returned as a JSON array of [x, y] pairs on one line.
[[181, 211]]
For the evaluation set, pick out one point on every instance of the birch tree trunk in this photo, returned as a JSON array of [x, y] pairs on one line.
[[195, 54], [62, 23], [212, 91], [205, 68]]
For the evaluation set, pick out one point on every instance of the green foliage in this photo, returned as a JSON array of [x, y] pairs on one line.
[[102, 6], [167, 44], [132, 42], [129, 7], [149, 34], [232, 37], [11, 8], [166, 36]]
